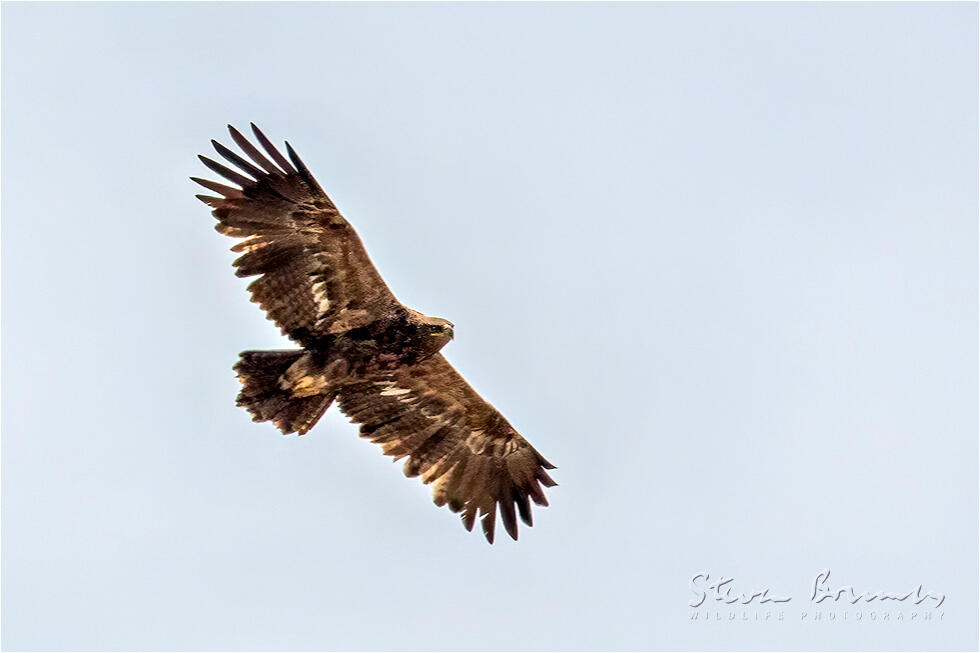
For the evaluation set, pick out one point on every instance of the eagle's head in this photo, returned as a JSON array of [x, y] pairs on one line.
[[436, 333]]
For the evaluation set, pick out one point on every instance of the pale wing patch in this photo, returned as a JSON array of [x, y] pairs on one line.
[[394, 392], [319, 285], [321, 298], [253, 243], [301, 380], [476, 442], [404, 395]]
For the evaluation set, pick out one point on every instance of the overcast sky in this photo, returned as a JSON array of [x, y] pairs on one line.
[[718, 262]]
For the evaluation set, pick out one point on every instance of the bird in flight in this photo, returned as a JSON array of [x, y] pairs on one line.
[[359, 346]]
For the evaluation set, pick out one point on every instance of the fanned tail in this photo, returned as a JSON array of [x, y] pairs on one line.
[[264, 397]]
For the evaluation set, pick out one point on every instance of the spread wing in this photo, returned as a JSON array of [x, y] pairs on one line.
[[454, 439], [314, 275]]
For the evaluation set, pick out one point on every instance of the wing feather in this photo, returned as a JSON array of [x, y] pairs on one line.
[[227, 191], [253, 152], [314, 275], [231, 157], [478, 464], [271, 149], [225, 172]]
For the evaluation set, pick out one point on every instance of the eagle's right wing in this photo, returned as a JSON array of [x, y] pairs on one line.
[[315, 277], [453, 438]]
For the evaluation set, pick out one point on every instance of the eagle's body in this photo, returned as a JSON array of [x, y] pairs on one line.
[[377, 358]]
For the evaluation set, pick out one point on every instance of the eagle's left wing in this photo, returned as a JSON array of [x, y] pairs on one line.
[[453, 438], [314, 277]]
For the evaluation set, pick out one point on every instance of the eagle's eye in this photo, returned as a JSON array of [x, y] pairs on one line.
[[441, 329]]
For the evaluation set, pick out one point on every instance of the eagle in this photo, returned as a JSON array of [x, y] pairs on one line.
[[378, 359]]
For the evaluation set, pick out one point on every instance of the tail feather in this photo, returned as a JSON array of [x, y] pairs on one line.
[[263, 396]]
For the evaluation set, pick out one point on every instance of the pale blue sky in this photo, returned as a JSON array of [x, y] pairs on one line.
[[718, 262]]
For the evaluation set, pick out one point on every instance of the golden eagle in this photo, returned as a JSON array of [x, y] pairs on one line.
[[377, 358]]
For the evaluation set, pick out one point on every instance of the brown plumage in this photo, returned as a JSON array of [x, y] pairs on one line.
[[379, 360]]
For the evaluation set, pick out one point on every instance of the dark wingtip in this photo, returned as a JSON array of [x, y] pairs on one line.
[[489, 522], [271, 149], [258, 132], [510, 525], [298, 162], [524, 508], [235, 159], [469, 518], [207, 183], [226, 172], [209, 199], [302, 169], [545, 479]]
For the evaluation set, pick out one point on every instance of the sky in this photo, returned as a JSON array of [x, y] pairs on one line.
[[717, 262]]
